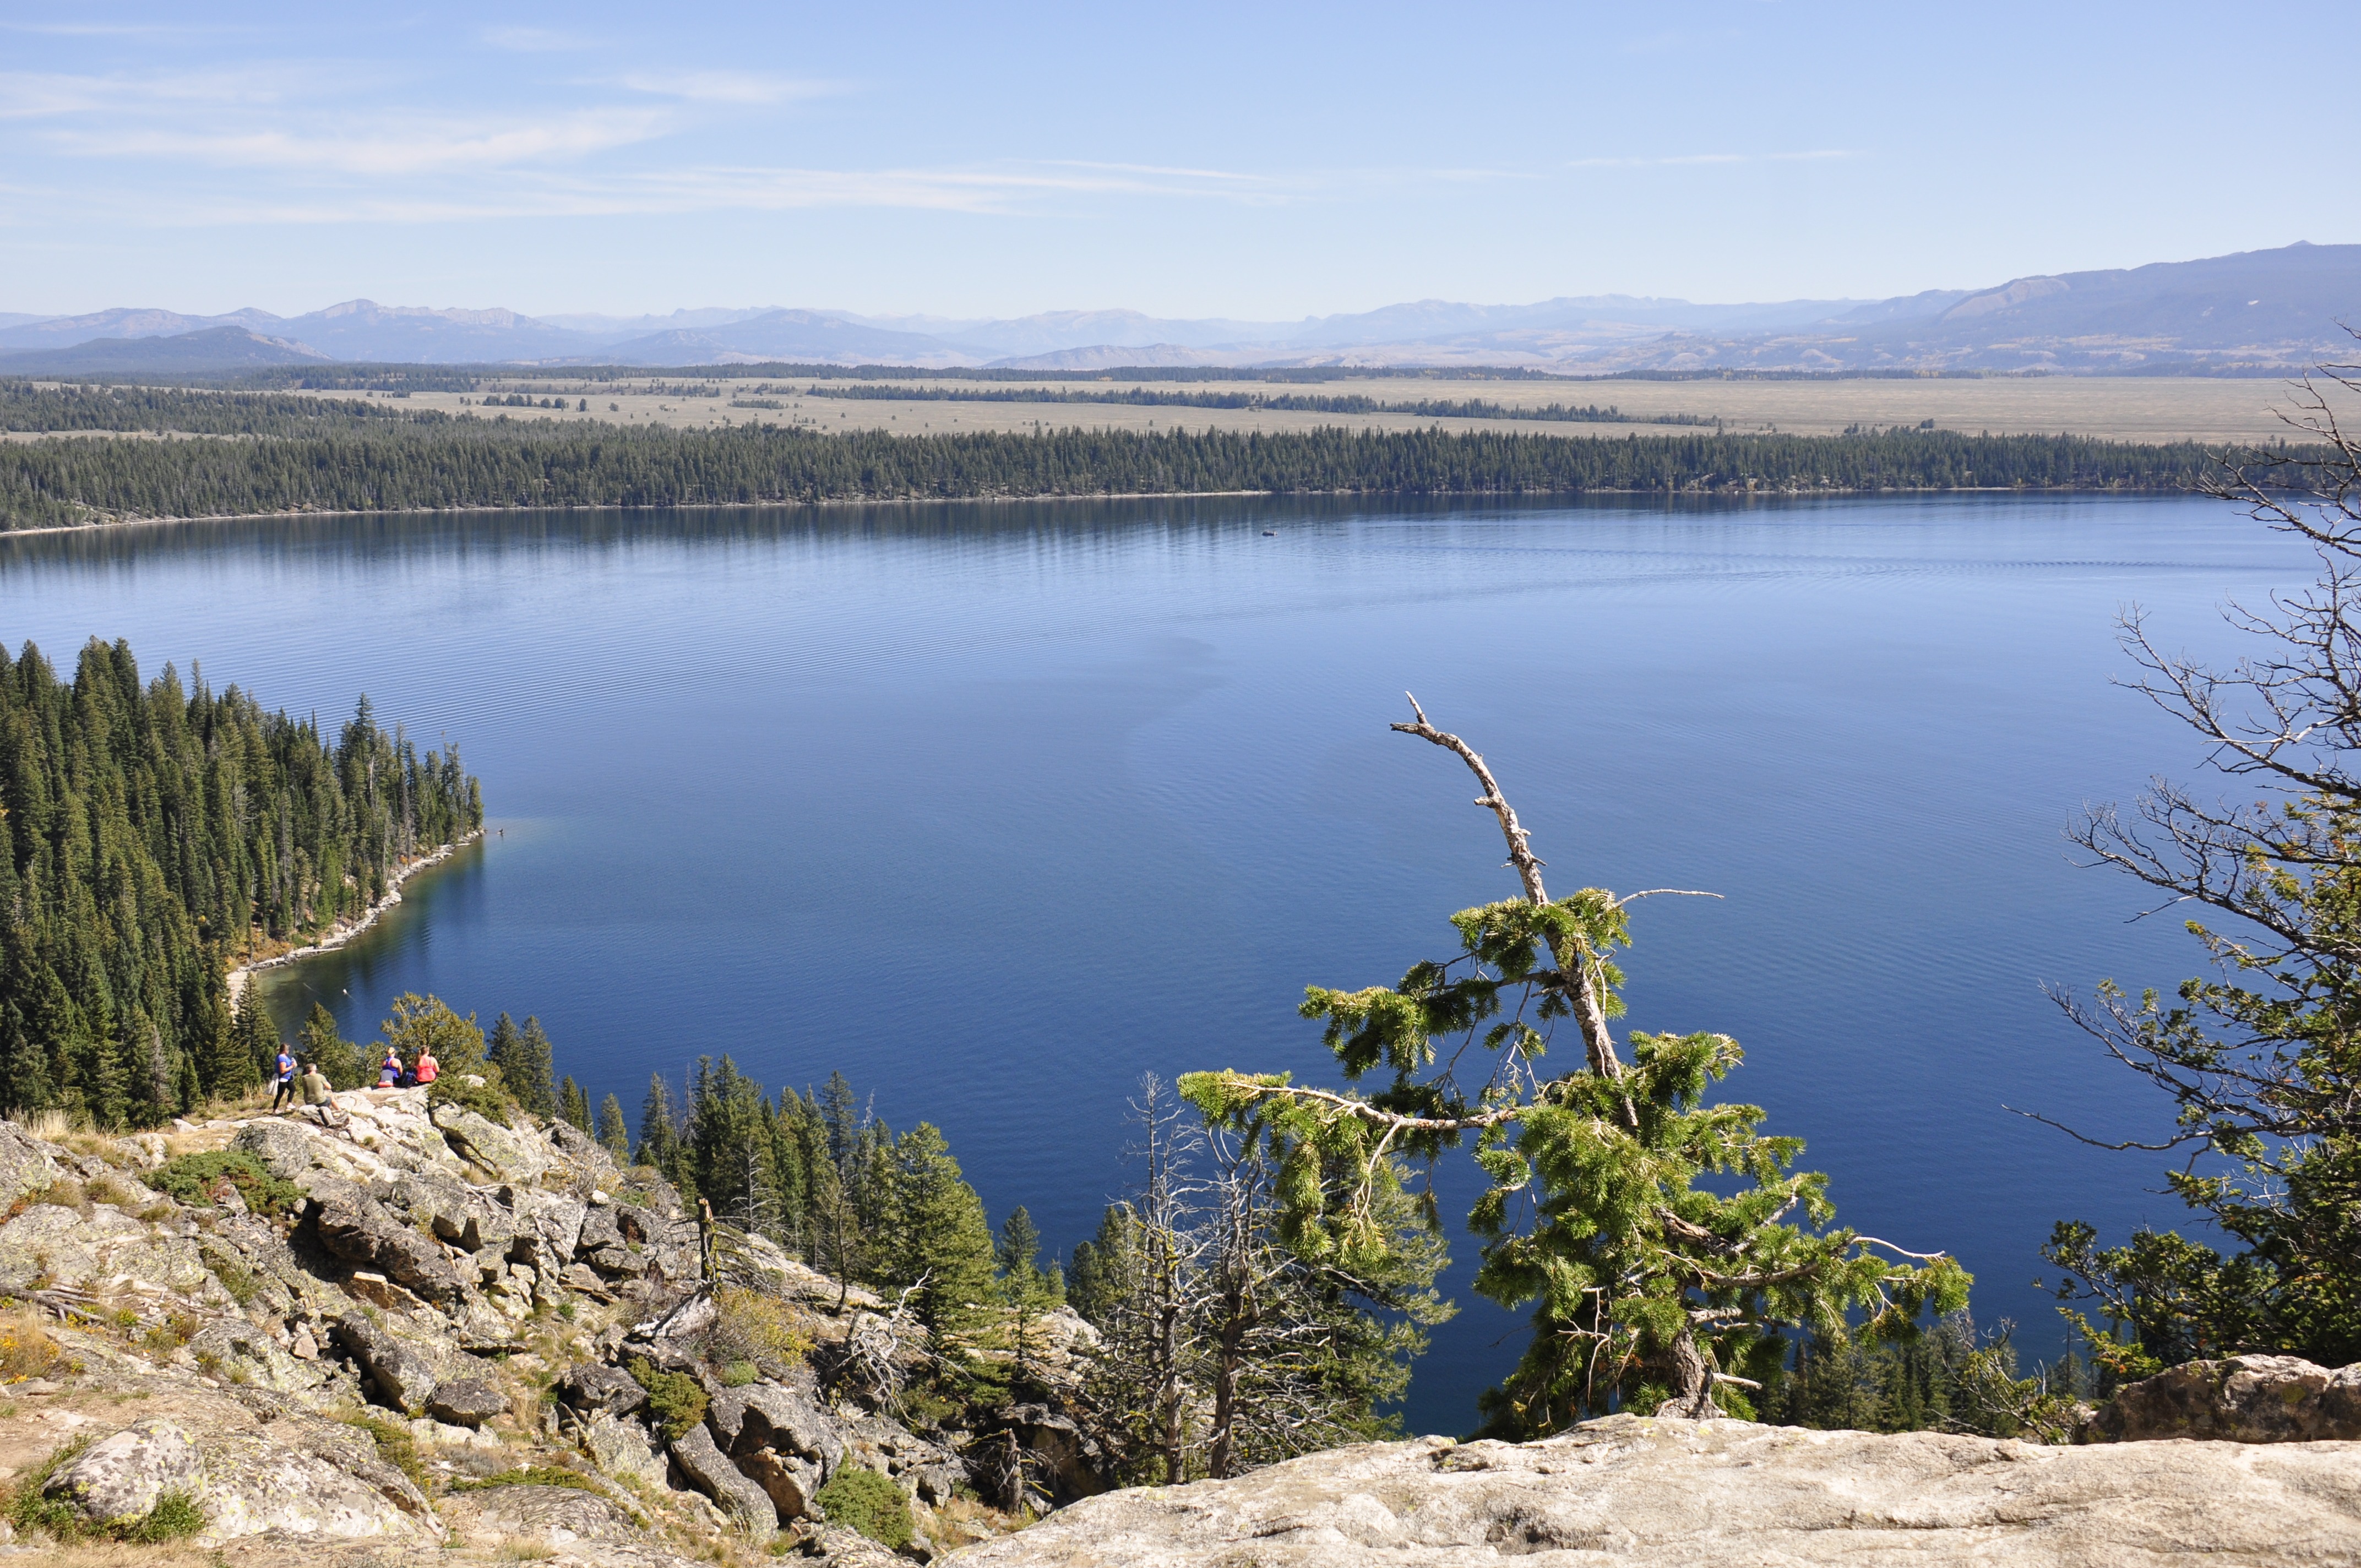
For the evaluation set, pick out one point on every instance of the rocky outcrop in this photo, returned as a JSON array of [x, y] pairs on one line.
[[446, 1300], [1661, 1492], [2246, 1399], [715, 1474], [121, 1479]]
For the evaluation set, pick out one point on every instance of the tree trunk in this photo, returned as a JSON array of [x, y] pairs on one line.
[[1692, 1382]]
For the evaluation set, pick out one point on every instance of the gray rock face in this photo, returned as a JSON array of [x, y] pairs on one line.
[[120, 1478], [594, 1386], [254, 1486], [252, 1358], [1659, 1493], [501, 1154], [712, 1473], [792, 1483], [282, 1148], [620, 1448], [2247, 1399], [557, 1516], [466, 1402], [358, 1228], [25, 1165], [401, 1372], [762, 1416]]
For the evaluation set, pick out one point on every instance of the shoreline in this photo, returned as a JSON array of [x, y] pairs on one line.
[[338, 936], [1766, 494]]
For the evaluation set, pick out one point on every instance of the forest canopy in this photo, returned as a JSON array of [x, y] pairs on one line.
[[424, 465], [156, 834]]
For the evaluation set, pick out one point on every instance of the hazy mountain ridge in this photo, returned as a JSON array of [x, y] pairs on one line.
[[2265, 309]]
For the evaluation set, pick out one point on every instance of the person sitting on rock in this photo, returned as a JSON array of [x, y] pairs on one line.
[[389, 1072], [283, 1072], [427, 1067], [318, 1094]]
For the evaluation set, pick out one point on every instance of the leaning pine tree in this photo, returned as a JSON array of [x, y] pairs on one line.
[[1650, 1291]]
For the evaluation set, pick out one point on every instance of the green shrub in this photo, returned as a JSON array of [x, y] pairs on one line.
[[866, 1501], [533, 1476], [677, 1398], [54, 1516], [175, 1516], [490, 1100], [738, 1374], [394, 1445], [193, 1176]]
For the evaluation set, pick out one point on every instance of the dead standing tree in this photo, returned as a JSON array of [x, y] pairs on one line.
[[1646, 1287]]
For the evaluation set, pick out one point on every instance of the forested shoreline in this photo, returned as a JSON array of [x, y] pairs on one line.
[[416, 465], [156, 832]]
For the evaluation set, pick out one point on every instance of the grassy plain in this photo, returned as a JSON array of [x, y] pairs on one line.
[[2137, 409]]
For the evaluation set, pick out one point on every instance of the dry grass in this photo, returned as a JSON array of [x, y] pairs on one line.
[[26, 1349], [2141, 408]]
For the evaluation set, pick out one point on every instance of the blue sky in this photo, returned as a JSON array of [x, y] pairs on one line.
[[1263, 161]]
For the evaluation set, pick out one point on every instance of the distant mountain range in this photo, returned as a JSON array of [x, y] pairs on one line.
[[2261, 308]]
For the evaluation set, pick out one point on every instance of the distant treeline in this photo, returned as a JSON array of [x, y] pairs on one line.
[[409, 467], [470, 377], [1295, 402], [27, 406]]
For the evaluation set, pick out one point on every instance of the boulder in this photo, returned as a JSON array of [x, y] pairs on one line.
[[838, 1548], [502, 1155], [401, 1373], [284, 1149], [762, 1415], [553, 1516], [254, 1485], [594, 1386], [712, 1473], [790, 1482], [120, 1478], [467, 1402], [1646, 1492], [1058, 1459], [25, 1165], [356, 1227], [622, 1448], [2246, 1399], [584, 1152]]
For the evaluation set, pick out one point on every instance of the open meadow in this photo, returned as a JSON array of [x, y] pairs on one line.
[[2138, 409]]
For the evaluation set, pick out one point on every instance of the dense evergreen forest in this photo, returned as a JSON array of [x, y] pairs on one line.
[[469, 462], [30, 406], [1294, 402], [156, 833]]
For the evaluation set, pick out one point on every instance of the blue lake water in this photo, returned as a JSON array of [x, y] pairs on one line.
[[995, 808]]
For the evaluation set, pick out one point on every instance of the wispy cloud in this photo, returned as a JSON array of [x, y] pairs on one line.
[[729, 86], [1675, 160], [391, 151], [31, 94]]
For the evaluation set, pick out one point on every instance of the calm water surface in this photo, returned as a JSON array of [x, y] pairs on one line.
[[996, 808]]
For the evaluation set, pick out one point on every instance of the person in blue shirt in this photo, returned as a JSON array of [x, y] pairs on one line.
[[389, 1072], [282, 1071]]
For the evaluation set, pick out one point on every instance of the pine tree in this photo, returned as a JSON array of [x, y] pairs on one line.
[[1027, 1289], [1647, 1287], [613, 1135], [659, 1127], [537, 1060], [574, 1105], [340, 1061], [257, 1038], [941, 1242]]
